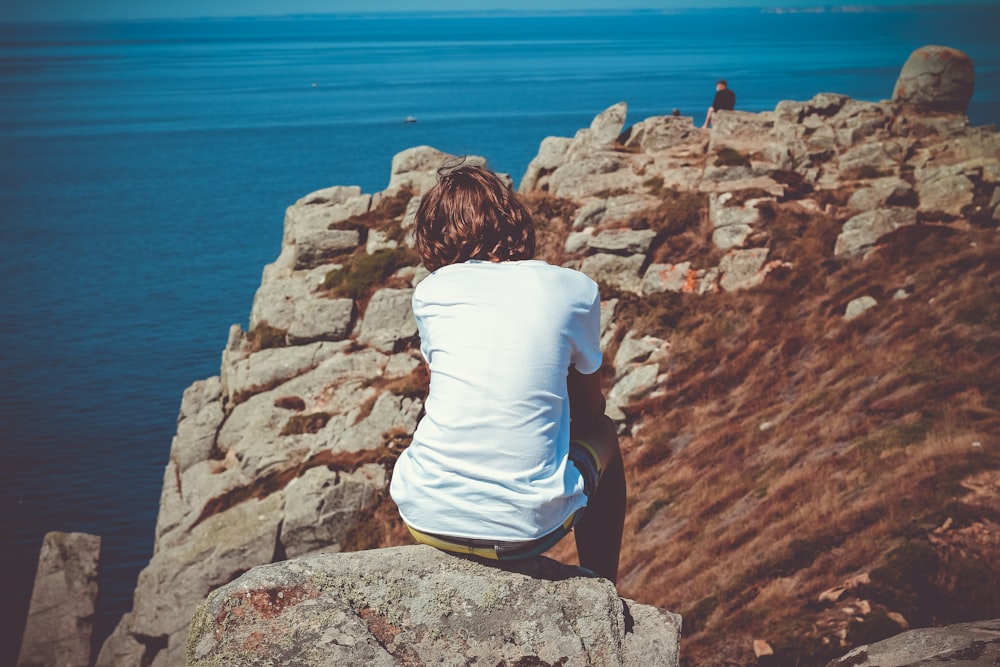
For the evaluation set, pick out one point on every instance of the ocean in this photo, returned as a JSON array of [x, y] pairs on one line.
[[145, 168]]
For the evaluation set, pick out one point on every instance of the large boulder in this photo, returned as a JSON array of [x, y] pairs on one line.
[[973, 644], [936, 78], [61, 615], [419, 606]]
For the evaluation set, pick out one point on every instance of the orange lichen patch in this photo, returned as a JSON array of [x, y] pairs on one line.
[[690, 282], [379, 626], [257, 605], [271, 602]]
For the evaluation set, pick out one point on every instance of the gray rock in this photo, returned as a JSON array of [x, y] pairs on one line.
[[944, 189], [417, 168], [198, 422], [936, 78], [635, 350], [590, 214], [253, 432], [661, 132], [607, 125], [584, 176], [622, 241], [578, 242], [266, 369], [975, 644], [388, 324], [731, 224], [882, 157], [877, 194], [322, 507], [61, 614], [742, 269], [634, 384], [417, 605], [616, 271], [291, 302], [307, 225], [860, 234], [551, 156], [666, 278], [858, 306]]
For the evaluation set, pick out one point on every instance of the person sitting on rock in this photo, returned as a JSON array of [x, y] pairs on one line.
[[514, 449], [724, 99]]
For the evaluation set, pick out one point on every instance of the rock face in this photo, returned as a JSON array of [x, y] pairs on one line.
[[288, 452], [420, 606], [61, 615], [936, 78], [972, 644]]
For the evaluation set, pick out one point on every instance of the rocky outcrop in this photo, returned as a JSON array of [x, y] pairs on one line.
[[972, 644], [419, 606], [61, 615], [288, 451]]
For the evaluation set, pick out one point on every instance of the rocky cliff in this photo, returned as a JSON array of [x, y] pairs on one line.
[[802, 356]]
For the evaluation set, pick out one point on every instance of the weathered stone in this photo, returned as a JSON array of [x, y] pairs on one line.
[[862, 232], [878, 193], [294, 305], [307, 225], [975, 644], [416, 168], [551, 156], [200, 417], [742, 269], [614, 270], [662, 132], [936, 78], [635, 349], [417, 605], [635, 383], [61, 614], [607, 125], [388, 324], [731, 224], [257, 435], [323, 506], [590, 214], [858, 306], [622, 241], [667, 278], [578, 242], [944, 190], [269, 368], [585, 176]]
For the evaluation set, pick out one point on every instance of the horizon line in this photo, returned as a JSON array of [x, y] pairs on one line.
[[498, 12]]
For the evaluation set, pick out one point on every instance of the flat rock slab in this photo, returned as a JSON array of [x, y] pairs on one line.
[[419, 606], [974, 644]]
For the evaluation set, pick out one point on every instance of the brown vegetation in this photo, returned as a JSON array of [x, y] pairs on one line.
[[792, 450]]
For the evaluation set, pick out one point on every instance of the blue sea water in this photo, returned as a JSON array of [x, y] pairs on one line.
[[145, 168]]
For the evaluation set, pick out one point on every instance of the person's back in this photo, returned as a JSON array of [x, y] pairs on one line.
[[513, 450], [498, 338]]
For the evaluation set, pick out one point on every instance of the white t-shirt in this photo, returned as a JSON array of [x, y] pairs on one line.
[[489, 458]]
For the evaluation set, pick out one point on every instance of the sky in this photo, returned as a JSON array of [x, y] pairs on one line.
[[55, 10]]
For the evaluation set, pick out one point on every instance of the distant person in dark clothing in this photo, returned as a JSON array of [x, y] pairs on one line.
[[724, 99]]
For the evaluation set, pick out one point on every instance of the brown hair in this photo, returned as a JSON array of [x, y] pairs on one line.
[[471, 214]]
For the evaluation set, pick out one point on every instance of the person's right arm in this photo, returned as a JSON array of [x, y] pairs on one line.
[[586, 400]]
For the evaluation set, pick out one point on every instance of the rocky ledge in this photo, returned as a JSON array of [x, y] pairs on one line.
[[418, 606]]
